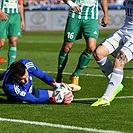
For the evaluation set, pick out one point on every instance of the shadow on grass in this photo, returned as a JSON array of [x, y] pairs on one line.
[[4, 101], [84, 101], [98, 68]]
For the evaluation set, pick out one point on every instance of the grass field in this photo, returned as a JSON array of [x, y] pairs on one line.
[[77, 117]]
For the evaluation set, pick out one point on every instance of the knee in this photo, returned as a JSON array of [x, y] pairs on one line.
[[13, 41], [67, 47], [2, 43], [90, 50], [98, 54]]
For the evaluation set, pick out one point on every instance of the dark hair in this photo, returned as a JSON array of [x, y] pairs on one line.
[[17, 68]]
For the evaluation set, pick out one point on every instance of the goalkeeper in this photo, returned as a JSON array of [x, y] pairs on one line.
[[18, 86]]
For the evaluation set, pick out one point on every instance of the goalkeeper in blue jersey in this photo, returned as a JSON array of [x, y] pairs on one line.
[[17, 85], [82, 19]]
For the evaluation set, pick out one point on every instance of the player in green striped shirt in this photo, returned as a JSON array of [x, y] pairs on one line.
[[11, 23], [82, 19]]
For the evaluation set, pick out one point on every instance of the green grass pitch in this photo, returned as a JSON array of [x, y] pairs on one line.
[[78, 117]]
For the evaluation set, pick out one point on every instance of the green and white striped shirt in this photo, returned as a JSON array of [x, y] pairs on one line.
[[89, 9], [9, 6]]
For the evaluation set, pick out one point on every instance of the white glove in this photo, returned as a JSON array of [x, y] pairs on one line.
[[62, 94], [68, 98]]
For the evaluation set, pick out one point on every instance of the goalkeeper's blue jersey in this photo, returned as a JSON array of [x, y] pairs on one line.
[[23, 92]]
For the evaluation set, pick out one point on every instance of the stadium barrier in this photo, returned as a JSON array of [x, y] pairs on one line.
[[53, 18]]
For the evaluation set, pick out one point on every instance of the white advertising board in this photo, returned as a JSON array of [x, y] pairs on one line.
[[45, 20], [55, 20]]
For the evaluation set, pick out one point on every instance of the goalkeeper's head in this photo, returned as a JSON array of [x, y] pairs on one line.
[[19, 72]]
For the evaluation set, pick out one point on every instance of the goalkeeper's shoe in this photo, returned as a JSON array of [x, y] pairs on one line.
[[74, 79], [119, 88], [101, 102]]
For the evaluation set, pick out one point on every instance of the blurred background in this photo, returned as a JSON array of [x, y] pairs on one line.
[[51, 15]]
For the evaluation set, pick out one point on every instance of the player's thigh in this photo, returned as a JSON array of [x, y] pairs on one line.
[[90, 29], [128, 49], [90, 44], [15, 25], [4, 28], [113, 42], [72, 29]]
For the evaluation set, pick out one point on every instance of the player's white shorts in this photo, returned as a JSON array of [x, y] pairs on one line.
[[120, 40]]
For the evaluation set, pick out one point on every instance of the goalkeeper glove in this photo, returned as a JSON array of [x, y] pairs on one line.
[[61, 94], [68, 98]]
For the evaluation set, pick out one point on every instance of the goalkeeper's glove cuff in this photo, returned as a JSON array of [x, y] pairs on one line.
[[55, 84], [52, 100]]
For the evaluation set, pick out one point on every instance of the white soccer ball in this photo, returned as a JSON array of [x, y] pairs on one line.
[[60, 92]]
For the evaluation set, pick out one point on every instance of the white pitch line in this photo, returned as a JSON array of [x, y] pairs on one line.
[[121, 97], [67, 73], [59, 126], [95, 75]]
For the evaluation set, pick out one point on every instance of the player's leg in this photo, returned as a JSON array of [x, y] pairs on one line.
[[105, 64], [62, 60], [3, 35], [14, 33], [123, 56], [114, 85], [2, 41], [84, 59], [12, 51], [107, 46], [70, 35], [90, 32]]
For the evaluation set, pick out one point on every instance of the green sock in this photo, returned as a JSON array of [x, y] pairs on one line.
[[0, 51], [11, 55], [84, 59], [62, 60]]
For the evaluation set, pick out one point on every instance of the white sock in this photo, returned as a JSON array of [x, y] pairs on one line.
[[115, 80], [106, 66]]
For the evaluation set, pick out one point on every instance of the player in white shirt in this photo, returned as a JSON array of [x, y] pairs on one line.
[[120, 45]]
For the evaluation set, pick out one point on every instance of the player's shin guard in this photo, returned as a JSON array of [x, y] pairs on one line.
[[84, 59], [12, 55]]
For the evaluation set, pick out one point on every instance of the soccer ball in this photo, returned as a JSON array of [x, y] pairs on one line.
[[60, 92]]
